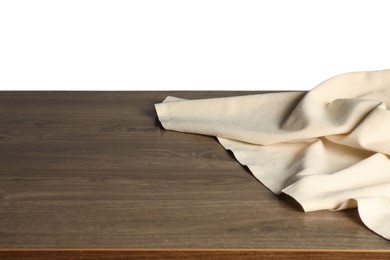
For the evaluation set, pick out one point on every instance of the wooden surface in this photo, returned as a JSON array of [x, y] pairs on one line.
[[195, 254], [97, 170]]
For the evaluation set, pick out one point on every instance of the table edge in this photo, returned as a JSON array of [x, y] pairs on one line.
[[186, 253]]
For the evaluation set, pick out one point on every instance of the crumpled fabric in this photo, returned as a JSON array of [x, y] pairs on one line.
[[327, 148]]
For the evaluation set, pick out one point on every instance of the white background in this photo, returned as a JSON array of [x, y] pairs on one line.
[[188, 45]]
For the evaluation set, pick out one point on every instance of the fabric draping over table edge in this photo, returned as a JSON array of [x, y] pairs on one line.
[[342, 124]]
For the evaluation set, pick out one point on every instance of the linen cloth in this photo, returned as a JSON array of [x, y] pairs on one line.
[[327, 148]]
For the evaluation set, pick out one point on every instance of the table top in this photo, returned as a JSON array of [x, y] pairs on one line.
[[97, 170]]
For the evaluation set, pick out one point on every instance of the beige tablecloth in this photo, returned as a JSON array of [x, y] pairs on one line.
[[328, 148]]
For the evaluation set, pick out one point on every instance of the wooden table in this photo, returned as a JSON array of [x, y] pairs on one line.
[[93, 174]]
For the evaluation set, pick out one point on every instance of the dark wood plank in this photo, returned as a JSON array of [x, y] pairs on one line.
[[96, 170], [189, 254]]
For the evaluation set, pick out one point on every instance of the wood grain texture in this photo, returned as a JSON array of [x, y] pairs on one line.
[[189, 254], [96, 170]]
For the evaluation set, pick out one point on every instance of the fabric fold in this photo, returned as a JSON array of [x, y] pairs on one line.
[[327, 148]]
